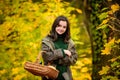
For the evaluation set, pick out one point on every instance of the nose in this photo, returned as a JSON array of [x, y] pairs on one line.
[[61, 28]]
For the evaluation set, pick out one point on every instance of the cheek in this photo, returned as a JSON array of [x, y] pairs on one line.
[[64, 29], [56, 29]]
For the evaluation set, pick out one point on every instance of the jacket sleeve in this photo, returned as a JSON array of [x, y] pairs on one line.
[[50, 54], [70, 60]]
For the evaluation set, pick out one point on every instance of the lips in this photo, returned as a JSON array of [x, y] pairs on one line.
[[60, 31]]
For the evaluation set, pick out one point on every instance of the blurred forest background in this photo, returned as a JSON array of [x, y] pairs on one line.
[[95, 29]]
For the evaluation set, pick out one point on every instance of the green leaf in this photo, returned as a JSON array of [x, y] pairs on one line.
[[103, 15], [103, 26], [115, 64]]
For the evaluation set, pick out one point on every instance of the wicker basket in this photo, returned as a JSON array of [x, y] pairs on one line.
[[41, 70]]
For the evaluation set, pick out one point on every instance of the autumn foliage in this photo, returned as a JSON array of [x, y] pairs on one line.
[[23, 25], [95, 29]]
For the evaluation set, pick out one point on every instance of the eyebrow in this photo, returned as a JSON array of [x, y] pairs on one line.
[[61, 25]]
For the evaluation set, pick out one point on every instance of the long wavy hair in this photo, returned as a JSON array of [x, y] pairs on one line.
[[53, 34]]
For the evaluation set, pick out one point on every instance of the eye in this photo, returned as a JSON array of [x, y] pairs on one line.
[[59, 25], [64, 26]]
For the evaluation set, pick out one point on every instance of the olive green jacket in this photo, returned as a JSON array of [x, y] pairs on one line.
[[56, 54]]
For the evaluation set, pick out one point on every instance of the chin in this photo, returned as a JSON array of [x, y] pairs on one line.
[[60, 33]]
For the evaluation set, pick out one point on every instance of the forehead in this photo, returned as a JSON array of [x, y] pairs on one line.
[[64, 23]]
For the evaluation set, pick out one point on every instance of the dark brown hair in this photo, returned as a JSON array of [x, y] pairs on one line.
[[53, 34]]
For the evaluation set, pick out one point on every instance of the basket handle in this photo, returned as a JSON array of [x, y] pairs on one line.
[[39, 56]]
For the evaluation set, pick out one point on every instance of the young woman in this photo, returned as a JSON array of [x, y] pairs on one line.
[[60, 48]]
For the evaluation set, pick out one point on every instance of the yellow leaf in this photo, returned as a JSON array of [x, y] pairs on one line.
[[111, 42], [87, 61], [118, 41], [15, 71], [3, 71], [104, 70], [80, 63], [105, 21], [108, 47], [84, 69], [113, 59], [110, 12], [115, 7], [74, 72], [18, 77], [106, 51], [79, 11]]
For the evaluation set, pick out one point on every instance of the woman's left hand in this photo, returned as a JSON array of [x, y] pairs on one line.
[[67, 52]]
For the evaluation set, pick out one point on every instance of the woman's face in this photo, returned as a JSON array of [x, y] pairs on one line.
[[61, 27]]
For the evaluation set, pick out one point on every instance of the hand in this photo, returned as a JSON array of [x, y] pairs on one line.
[[67, 52]]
